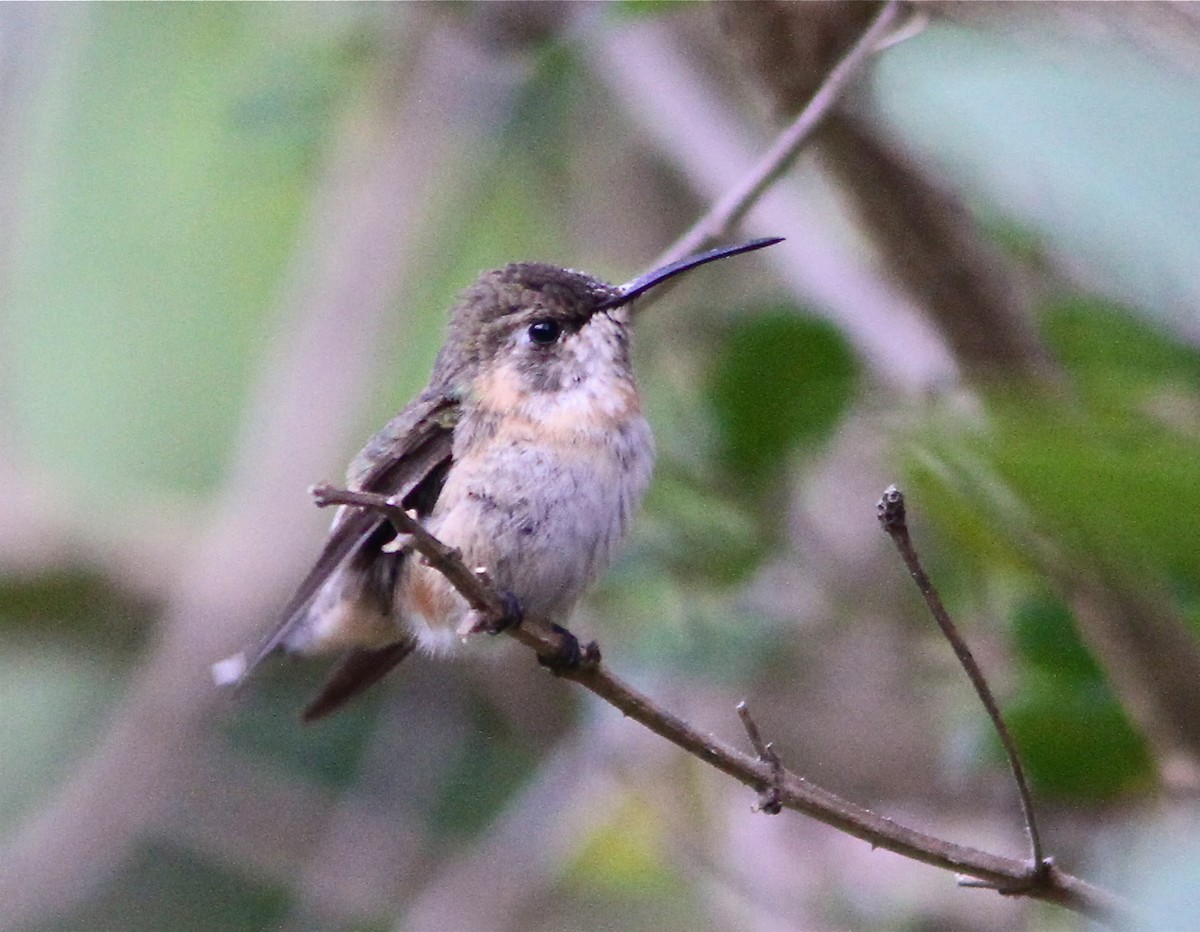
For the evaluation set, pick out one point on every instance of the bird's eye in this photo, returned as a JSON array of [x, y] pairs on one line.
[[544, 332]]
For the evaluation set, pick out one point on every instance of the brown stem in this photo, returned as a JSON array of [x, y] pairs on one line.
[[1008, 875], [893, 519], [727, 212]]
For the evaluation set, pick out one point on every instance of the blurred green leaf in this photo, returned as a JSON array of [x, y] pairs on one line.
[[164, 887], [1122, 490], [624, 855], [632, 9], [695, 534], [1112, 472], [490, 766], [73, 603], [52, 702], [1045, 637], [266, 725], [1118, 360], [1073, 734], [169, 161], [1076, 741], [1107, 478], [781, 381]]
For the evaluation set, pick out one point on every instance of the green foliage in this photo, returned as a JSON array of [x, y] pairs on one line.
[[1120, 490], [169, 163], [67, 641], [1105, 477], [638, 9], [489, 766], [1109, 350], [780, 384], [1076, 742], [699, 536], [169, 160], [165, 887], [1045, 636], [623, 856], [781, 381], [265, 725], [1074, 736], [663, 620], [52, 702], [1111, 471], [68, 603]]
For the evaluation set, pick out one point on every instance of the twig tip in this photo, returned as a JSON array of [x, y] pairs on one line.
[[890, 509]]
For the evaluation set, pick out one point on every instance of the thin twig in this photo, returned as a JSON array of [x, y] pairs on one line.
[[664, 92], [727, 212], [769, 802], [1008, 875], [892, 517]]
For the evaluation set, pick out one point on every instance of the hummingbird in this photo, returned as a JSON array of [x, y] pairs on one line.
[[527, 451]]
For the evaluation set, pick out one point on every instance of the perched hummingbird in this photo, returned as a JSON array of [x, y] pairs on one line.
[[527, 451]]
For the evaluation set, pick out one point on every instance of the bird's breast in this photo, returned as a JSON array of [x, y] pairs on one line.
[[541, 492]]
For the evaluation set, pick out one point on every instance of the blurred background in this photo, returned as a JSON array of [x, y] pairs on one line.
[[229, 238]]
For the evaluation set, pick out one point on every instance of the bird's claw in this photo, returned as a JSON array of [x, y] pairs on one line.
[[569, 655]]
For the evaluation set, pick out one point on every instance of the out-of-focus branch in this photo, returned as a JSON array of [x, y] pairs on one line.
[[975, 296], [924, 236], [677, 112], [728, 211], [790, 790], [371, 211]]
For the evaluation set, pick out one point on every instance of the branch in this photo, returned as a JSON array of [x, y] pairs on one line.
[[729, 210], [664, 93], [892, 516], [763, 773]]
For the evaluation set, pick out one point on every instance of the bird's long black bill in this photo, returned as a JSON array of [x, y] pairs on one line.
[[643, 284]]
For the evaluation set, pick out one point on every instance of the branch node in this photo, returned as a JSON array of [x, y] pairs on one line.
[[917, 22], [512, 615], [1041, 873], [770, 799], [321, 493], [1039, 876]]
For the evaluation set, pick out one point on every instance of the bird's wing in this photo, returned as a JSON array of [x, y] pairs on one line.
[[408, 458]]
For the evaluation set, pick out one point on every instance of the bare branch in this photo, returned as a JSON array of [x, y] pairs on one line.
[[892, 517], [1007, 875], [729, 210], [666, 95]]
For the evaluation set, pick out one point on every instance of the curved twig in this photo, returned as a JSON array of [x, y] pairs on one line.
[[893, 519], [727, 212], [1007, 875]]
